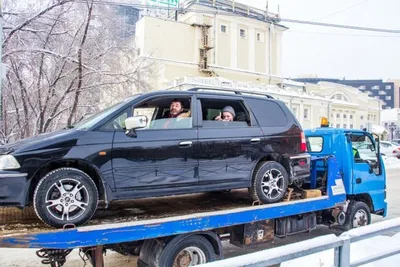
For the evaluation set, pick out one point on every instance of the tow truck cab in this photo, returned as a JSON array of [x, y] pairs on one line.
[[359, 161]]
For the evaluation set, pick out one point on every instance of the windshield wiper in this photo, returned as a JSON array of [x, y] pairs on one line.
[[68, 127]]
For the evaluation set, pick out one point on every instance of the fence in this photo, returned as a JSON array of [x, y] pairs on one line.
[[340, 244]]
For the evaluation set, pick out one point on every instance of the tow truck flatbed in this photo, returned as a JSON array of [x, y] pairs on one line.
[[162, 217]]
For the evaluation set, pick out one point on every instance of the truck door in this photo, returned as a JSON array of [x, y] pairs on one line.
[[368, 172]]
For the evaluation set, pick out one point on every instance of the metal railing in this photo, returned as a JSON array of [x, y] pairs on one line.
[[340, 244]]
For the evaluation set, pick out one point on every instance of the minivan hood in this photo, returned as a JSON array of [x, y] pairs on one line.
[[60, 138]]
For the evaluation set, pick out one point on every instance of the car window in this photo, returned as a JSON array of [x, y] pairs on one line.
[[117, 123], [89, 122], [268, 113], [144, 111], [224, 113], [159, 114], [314, 143]]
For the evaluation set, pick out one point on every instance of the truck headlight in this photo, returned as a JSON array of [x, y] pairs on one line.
[[8, 162]]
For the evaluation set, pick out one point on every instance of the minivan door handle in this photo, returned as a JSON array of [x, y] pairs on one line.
[[255, 140], [185, 143]]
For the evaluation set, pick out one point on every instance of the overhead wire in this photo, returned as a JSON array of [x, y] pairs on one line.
[[345, 34], [341, 11]]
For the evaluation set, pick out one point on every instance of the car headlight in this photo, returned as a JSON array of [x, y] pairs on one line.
[[8, 162]]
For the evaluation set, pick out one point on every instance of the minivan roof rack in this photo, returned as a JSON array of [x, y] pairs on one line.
[[236, 91]]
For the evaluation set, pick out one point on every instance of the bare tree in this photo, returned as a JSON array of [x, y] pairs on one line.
[[65, 59]]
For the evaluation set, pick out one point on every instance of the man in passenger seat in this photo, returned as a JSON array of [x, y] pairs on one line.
[[228, 114]]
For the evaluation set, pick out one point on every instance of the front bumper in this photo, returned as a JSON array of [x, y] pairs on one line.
[[13, 188]]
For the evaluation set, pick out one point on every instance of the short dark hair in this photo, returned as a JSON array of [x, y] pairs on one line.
[[178, 100]]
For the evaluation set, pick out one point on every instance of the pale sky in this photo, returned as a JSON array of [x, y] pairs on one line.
[[337, 53]]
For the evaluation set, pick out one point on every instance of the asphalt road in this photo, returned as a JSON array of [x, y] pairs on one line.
[[27, 257]]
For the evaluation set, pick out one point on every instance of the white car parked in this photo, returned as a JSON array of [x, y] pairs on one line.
[[387, 148]]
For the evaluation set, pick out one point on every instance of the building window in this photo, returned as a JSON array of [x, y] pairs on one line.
[[224, 28], [375, 87], [362, 127], [388, 97], [362, 87], [368, 117], [351, 126], [294, 110], [306, 113], [338, 125], [382, 93], [243, 33], [344, 116], [260, 37], [337, 115], [351, 117], [388, 87], [345, 125], [362, 117]]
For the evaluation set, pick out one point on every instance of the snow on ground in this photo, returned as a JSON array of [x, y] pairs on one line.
[[358, 250]]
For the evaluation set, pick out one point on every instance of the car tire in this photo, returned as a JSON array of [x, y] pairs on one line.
[[358, 214], [270, 183], [65, 196]]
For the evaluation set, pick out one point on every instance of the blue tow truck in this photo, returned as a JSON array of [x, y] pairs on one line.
[[346, 186]]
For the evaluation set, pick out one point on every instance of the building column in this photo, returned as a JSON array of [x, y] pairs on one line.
[[252, 49], [301, 113], [234, 44]]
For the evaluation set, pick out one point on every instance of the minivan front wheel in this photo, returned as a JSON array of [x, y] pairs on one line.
[[270, 183], [65, 196]]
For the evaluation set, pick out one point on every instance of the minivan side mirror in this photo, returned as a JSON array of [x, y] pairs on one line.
[[136, 122]]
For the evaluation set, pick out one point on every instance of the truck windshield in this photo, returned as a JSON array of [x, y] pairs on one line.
[[92, 120]]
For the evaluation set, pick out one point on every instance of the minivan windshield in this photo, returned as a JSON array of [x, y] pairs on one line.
[[92, 120]]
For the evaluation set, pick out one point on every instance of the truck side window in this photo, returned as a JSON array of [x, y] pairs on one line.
[[314, 143], [363, 148]]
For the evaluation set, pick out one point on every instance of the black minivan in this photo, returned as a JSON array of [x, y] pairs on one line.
[[157, 144]]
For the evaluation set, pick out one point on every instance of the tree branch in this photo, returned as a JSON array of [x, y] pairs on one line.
[[29, 20]]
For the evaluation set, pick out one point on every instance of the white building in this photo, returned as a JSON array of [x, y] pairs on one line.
[[344, 106], [213, 48]]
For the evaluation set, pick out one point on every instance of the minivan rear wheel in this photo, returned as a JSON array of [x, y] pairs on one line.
[[65, 196], [270, 183]]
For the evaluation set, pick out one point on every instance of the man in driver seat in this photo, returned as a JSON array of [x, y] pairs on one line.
[[356, 154], [176, 110]]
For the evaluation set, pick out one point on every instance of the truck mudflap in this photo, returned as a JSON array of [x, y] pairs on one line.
[[299, 167]]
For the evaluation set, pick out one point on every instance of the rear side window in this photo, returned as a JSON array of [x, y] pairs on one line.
[[315, 143], [214, 110], [268, 113]]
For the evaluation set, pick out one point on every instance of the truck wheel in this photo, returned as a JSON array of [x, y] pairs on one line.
[[358, 214], [65, 196], [270, 183], [189, 251]]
